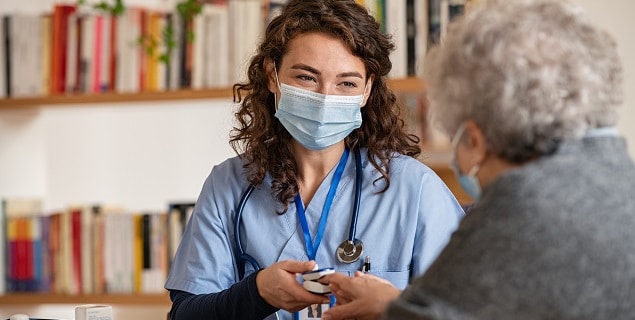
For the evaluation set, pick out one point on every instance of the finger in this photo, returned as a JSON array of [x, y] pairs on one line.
[[295, 266], [341, 296], [338, 278]]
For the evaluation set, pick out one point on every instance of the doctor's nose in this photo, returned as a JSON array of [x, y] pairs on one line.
[[323, 89]]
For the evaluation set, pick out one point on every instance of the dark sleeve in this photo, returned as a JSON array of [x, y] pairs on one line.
[[240, 301]]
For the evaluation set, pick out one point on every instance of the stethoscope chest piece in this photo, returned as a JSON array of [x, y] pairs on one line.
[[350, 251]]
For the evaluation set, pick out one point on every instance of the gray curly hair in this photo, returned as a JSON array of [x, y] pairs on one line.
[[530, 73]]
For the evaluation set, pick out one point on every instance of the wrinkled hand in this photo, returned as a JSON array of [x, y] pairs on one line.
[[361, 297], [279, 287]]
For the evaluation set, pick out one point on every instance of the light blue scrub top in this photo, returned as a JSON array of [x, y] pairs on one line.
[[403, 229]]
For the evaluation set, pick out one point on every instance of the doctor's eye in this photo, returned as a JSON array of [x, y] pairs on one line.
[[304, 77], [349, 84]]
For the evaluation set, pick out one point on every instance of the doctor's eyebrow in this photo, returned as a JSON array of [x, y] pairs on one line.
[[308, 68]]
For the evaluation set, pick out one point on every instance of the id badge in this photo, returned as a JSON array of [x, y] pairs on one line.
[[312, 312]]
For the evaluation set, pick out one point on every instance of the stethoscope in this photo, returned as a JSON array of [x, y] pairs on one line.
[[349, 251]]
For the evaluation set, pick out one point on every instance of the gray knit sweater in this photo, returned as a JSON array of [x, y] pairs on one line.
[[554, 239]]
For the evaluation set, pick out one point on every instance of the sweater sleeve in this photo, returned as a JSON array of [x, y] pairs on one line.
[[240, 301]]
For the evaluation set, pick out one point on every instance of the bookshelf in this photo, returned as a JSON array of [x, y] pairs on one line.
[[406, 85]]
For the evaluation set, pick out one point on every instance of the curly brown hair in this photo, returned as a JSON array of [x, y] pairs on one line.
[[262, 141]]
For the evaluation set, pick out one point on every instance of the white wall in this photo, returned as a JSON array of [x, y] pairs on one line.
[[616, 17], [139, 155]]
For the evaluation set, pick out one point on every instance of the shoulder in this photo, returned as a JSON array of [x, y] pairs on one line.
[[228, 169], [400, 163], [407, 175], [407, 168]]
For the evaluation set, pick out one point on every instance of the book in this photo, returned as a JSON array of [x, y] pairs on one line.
[[54, 249], [19, 255], [59, 46], [87, 218], [3, 260], [93, 312], [45, 70], [421, 42], [395, 20], [118, 252], [72, 53], [128, 33], [87, 65], [247, 25], [179, 214], [3, 66], [411, 39], [113, 52], [173, 70], [26, 43], [198, 51], [97, 54], [22, 242], [6, 39], [215, 30], [154, 252]]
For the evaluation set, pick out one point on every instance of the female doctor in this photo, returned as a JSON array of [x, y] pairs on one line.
[[325, 175]]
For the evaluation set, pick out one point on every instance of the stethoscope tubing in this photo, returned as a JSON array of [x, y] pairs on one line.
[[242, 256], [358, 195]]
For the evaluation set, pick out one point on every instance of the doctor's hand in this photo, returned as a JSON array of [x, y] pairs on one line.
[[363, 296], [279, 287]]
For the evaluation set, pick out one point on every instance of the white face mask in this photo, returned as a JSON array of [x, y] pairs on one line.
[[316, 120], [468, 181]]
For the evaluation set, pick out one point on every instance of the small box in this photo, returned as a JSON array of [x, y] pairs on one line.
[[93, 312]]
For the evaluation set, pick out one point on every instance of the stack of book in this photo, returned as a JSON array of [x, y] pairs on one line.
[[87, 249]]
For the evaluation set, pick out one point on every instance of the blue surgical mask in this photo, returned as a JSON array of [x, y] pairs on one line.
[[316, 120], [468, 181]]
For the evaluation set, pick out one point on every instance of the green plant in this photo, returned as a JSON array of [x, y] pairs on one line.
[[116, 9], [187, 9], [151, 44]]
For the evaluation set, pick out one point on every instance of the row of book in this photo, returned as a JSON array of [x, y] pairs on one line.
[[76, 50], [87, 249]]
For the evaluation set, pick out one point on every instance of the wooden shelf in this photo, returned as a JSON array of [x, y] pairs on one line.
[[407, 85], [70, 100], [13, 299], [402, 85]]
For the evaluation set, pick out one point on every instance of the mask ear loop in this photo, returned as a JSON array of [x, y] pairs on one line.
[[275, 95]]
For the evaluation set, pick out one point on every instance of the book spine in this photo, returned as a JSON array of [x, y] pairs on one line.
[[76, 240], [112, 76], [59, 43], [6, 20], [97, 54], [411, 37]]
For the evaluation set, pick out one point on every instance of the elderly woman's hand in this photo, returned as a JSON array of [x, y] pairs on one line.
[[363, 296]]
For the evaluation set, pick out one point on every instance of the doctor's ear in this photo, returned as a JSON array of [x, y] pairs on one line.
[[270, 71]]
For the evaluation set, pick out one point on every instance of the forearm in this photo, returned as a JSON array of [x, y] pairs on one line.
[[240, 301]]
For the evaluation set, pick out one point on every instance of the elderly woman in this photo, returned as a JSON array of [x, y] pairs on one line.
[[528, 91]]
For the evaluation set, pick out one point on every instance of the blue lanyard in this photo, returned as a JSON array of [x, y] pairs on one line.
[[311, 247]]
